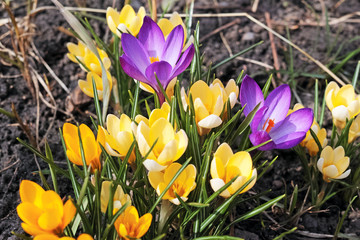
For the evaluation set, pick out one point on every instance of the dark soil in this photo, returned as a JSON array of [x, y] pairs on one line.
[[17, 163]]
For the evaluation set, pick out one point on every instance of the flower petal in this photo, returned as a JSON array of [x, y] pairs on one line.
[[135, 50], [216, 184], [211, 121], [173, 46], [162, 70], [259, 137], [250, 94], [184, 61], [151, 37], [292, 130], [153, 166], [278, 103], [132, 70]]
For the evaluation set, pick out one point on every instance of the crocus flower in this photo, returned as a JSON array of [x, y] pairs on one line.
[[342, 102], [83, 236], [333, 163], [271, 120], [151, 54], [226, 165], [81, 53], [87, 86], [183, 184], [91, 147], [309, 141], [210, 102], [354, 131], [118, 137], [127, 21], [129, 226], [43, 212], [170, 145], [119, 198]]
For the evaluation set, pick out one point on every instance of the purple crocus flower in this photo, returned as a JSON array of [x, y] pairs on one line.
[[150, 54], [271, 120]]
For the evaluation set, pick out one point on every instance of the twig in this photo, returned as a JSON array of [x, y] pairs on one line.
[[273, 50], [267, 66], [6, 168], [255, 6], [236, 21]]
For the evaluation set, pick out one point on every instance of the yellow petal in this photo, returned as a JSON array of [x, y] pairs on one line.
[[112, 18], [28, 212], [224, 152], [50, 220], [342, 164], [328, 155], [168, 153], [127, 13], [241, 160], [156, 178], [216, 184], [163, 132], [105, 195], [69, 213], [156, 114], [143, 225], [201, 111], [166, 26], [201, 90], [345, 96], [217, 168], [252, 183], [31, 192], [171, 171], [47, 237], [85, 236], [113, 124], [330, 171], [331, 88], [339, 153], [125, 123], [182, 143]]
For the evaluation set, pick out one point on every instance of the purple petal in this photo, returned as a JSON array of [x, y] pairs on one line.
[[250, 94], [135, 51], [151, 36], [259, 137], [162, 70], [130, 69], [292, 130], [278, 102], [173, 46], [254, 125], [184, 61]]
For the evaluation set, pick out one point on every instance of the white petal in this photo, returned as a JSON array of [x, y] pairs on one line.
[[320, 164], [344, 175], [110, 151], [177, 202], [341, 113], [216, 184], [153, 166], [210, 121], [233, 99]]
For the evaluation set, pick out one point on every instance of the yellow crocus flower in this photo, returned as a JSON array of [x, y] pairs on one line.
[[333, 163], [43, 212], [127, 21], [342, 102], [226, 165], [83, 54], [129, 226], [210, 102], [170, 145], [91, 147], [119, 198], [183, 184], [87, 86], [118, 137], [83, 236], [354, 130]]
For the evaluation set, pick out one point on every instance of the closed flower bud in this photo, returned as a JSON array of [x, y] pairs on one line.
[[343, 103], [333, 163]]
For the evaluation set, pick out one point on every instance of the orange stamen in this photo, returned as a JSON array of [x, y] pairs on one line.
[[271, 124], [154, 59]]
